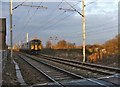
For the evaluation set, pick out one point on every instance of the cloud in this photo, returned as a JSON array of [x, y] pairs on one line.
[[99, 14], [102, 7]]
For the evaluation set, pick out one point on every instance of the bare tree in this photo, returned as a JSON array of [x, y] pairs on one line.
[[48, 44]]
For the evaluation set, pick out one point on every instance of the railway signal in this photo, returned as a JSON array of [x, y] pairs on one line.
[[83, 23]]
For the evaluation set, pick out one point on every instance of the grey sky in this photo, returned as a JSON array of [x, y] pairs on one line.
[[101, 21]]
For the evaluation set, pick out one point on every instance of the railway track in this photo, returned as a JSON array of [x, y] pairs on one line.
[[86, 66], [53, 73]]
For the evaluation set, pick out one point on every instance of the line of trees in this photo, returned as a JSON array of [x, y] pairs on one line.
[[110, 49], [62, 44], [111, 46]]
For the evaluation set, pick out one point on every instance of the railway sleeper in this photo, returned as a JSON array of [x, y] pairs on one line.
[[63, 78]]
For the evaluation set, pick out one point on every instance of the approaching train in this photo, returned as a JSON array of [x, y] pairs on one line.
[[33, 47]]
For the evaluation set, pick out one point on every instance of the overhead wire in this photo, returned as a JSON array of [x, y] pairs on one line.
[[90, 3], [102, 29], [99, 28], [102, 32], [100, 25], [29, 10], [63, 19], [109, 31], [55, 17], [16, 8], [52, 25], [31, 17], [51, 19], [74, 8], [56, 8], [57, 21], [27, 14], [60, 19]]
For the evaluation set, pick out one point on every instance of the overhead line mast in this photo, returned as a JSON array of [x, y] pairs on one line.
[[83, 29], [83, 23], [11, 44]]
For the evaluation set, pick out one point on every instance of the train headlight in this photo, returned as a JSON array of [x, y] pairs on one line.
[[40, 47], [36, 47], [32, 47]]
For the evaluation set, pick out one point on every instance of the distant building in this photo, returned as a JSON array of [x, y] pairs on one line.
[[2, 33]]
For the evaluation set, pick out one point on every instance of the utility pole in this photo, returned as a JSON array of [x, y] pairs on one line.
[[11, 44], [83, 28]]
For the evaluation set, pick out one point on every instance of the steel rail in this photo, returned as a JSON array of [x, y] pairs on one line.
[[54, 67], [35, 58], [72, 74], [87, 64], [82, 67], [51, 79]]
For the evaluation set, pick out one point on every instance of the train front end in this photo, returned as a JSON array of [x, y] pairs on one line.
[[35, 46]]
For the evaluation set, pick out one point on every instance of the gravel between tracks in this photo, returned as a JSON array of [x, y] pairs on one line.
[[30, 75], [81, 72], [112, 61]]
